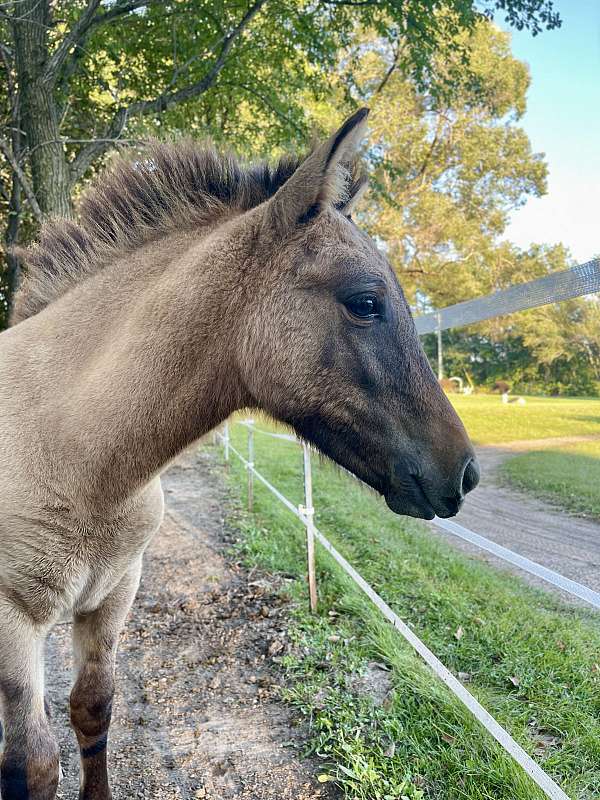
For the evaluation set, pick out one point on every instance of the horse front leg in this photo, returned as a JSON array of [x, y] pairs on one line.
[[29, 763], [95, 640]]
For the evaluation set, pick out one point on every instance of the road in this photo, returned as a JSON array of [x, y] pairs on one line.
[[552, 537]]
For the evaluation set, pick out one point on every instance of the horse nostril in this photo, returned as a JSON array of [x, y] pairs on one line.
[[470, 477]]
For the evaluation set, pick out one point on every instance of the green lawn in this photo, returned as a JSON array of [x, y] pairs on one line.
[[569, 476], [531, 661], [489, 421], [566, 474]]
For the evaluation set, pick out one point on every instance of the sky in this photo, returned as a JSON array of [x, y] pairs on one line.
[[563, 121]]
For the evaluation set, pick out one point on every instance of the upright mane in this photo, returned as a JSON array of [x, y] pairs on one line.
[[170, 186]]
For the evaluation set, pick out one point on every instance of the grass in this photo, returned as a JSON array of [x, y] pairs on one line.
[[489, 421], [531, 661], [568, 477]]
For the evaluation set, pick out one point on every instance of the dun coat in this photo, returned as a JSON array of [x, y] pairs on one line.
[[192, 286]]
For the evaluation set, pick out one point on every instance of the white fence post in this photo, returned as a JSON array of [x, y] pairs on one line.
[[309, 512], [250, 465], [226, 440]]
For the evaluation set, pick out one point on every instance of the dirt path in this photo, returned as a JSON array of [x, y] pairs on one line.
[[196, 712], [543, 533]]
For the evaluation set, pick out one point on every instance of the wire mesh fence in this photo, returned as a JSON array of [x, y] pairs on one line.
[[580, 280]]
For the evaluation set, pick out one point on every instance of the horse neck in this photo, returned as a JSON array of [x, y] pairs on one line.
[[150, 348]]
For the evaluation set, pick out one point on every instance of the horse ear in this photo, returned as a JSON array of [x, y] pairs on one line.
[[355, 193], [320, 180]]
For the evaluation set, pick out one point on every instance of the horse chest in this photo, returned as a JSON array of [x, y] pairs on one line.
[[58, 567]]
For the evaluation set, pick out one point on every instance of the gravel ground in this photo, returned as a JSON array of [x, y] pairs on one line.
[[196, 712], [552, 537]]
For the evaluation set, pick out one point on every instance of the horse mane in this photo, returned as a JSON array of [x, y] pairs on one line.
[[168, 187]]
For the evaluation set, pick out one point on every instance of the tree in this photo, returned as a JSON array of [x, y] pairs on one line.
[[448, 171], [85, 76]]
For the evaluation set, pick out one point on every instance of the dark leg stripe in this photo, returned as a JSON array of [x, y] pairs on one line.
[[13, 783], [89, 752]]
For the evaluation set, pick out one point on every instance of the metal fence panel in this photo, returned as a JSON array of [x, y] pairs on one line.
[[581, 280]]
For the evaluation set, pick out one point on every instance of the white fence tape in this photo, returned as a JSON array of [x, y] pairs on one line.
[[555, 578], [537, 774], [533, 769]]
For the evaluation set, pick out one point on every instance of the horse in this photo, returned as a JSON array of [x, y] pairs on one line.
[[193, 285]]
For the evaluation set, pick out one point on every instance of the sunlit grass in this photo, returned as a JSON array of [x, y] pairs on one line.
[[530, 660], [489, 421], [566, 474], [569, 476]]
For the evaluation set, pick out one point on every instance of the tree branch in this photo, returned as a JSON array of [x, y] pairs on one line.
[[389, 72], [120, 8], [354, 3], [66, 57], [71, 39], [167, 99], [26, 186], [265, 100], [88, 154]]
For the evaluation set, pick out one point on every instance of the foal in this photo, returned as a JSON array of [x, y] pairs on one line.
[[192, 286]]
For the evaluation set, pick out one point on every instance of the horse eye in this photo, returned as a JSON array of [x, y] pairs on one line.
[[363, 306]]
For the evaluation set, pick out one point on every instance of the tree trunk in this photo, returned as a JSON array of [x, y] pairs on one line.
[[39, 110], [10, 278]]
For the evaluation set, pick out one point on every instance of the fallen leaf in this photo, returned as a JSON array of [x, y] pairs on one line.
[[448, 739], [543, 741], [319, 699], [514, 680], [464, 676], [380, 665], [323, 778], [459, 633], [390, 751], [275, 647]]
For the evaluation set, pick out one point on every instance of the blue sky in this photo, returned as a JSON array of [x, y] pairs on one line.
[[563, 121]]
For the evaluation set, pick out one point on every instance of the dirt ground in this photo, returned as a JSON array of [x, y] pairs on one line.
[[196, 713], [560, 541]]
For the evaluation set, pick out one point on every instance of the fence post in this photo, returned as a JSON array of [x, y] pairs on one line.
[[440, 355], [226, 441], [250, 466], [309, 513]]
